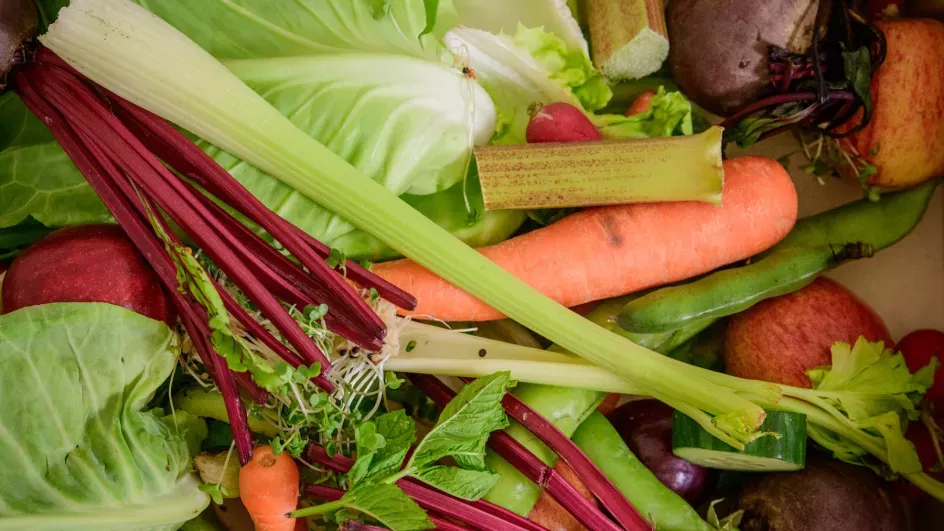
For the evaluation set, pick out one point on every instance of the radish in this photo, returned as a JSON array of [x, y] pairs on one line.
[[560, 122], [918, 348]]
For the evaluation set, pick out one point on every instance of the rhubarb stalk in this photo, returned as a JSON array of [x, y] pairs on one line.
[[607, 172]]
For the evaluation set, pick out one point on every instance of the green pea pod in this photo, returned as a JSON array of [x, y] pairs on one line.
[[734, 290], [563, 406], [603, 445], [566, 408], [816, 244]]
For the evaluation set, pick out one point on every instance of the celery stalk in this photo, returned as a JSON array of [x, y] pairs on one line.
[[138, 56], [608, 172]]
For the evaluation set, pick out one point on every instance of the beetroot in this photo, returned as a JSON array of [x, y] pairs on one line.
[[646, 426], [18, 23], [91, 263], [560, 122]]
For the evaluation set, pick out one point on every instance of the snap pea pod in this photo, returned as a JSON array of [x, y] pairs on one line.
[[602, 444], [566, 408], [779, 273], [815, 245]]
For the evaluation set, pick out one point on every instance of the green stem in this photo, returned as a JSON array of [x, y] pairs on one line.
[[317, 509]]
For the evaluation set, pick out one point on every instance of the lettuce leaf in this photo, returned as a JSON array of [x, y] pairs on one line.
[[504, 16], [532, 67], [77, 451], [37, 178], [669, 114]]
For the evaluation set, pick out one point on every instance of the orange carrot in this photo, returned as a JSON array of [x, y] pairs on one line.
[[606, 252], [268, 487], [641, 103]]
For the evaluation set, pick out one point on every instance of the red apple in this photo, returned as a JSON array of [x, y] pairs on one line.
[[91, 263], [780, 339]]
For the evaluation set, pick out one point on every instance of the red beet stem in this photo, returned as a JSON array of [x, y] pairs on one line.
[[91, 117], [308, 291], [529, 465], [430, 500], [100, 172], [612, 499], [342, 464], [177, 150]]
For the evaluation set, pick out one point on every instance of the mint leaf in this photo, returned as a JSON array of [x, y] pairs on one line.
[[465, 424], [397, 431], [461, 483], [388, 505]]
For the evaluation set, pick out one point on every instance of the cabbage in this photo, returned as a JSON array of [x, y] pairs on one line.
[[504, 16], [77, 453], [370, 79]]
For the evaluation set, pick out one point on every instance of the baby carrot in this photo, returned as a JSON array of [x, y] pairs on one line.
[[606, 252], [268, 487]]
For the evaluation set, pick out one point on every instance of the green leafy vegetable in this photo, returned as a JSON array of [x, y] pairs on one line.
[[857, 67], [669, 114], [389, 505], [37, 179], [382, 444], [397, 432], [78, 453], [870, 388], [461, 483], [465, 424], [531, 67], [254, 29], [498, 16]]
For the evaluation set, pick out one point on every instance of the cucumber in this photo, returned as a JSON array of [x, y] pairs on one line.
[[768, 454]]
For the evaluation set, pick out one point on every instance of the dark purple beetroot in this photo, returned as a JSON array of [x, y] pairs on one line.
[[646, 426]]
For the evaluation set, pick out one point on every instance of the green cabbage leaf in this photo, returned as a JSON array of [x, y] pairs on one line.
[[78, 452]]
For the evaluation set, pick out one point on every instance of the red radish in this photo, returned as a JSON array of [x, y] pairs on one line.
[[91, 263], [641, 103], [918, 348], [560, 122], [780, 339]]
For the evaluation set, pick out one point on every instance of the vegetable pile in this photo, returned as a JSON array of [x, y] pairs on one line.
[[583, 315]]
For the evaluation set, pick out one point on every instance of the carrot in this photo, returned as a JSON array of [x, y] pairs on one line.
[[550, 515], [268, 487], [641, 103], [606, 252]]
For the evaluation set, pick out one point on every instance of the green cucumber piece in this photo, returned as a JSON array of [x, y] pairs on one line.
[[783, 453]]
